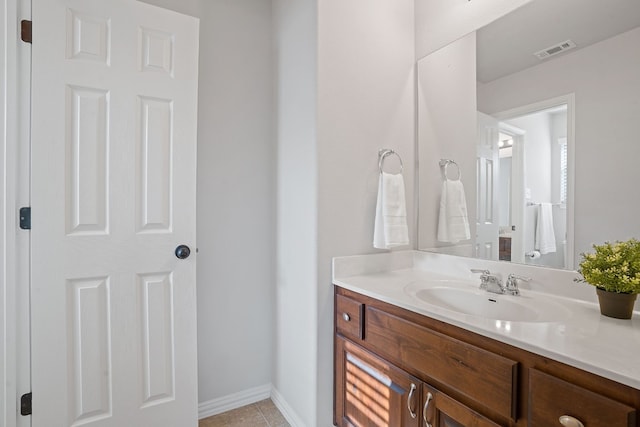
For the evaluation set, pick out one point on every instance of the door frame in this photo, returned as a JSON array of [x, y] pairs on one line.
[[570, 100], [14, 253], [517, 199]]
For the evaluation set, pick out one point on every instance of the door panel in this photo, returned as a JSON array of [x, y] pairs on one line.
[[88, 347], [153, 198], [87, 156], [157, 336], [113, 189]]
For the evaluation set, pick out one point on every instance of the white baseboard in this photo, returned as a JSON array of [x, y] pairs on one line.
[[287, 411], [247, 397], [233, 401]]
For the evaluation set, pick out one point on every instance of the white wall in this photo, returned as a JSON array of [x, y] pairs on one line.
[[188, 7], [604, 78], [447, 130], [236, 204], [236, 188], [439, 22], [537, 154], [365, 102], [363, 99], [295, 368]]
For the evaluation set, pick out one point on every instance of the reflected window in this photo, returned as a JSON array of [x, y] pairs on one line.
[[563, 169]]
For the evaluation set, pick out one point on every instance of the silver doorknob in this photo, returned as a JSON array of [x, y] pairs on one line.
[[183, 252]]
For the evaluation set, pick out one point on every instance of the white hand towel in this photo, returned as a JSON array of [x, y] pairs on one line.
[[545, 236], [453, 222], [391, 213]]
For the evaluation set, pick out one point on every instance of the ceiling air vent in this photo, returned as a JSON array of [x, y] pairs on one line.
[[555, 49]]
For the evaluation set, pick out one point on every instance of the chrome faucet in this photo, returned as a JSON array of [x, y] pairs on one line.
[[489, 282], [492, 283]]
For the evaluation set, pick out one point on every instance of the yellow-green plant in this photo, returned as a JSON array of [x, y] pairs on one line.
[[613, 267]]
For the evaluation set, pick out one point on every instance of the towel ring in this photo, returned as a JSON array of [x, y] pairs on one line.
[[444, 163], [383, 153]]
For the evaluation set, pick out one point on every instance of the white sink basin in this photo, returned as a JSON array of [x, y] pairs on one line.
[[476, 302]]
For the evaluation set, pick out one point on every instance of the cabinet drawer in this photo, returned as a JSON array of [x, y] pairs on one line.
[[484, 377], [550, 398], [349, 316]]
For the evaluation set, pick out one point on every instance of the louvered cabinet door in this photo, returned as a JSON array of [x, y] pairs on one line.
[[372, 393]]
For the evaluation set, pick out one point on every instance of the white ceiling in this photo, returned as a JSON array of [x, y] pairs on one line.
[[508, 44]]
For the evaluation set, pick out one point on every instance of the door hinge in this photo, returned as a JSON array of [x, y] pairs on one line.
[[25, 218], [25, 31], [25, 404]]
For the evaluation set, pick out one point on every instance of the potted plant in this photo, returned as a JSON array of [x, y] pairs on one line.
[[614, 269]]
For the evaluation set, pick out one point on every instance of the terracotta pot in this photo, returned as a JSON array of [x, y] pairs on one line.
[[613, 304]]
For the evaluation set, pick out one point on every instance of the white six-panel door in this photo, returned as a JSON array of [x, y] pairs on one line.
[[113, 194]]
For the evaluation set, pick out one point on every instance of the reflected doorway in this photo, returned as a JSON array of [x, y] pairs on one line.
[[530, 186]]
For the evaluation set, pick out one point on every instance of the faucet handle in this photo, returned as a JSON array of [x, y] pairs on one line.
[[481, 271], [512, 283], [515, 277]]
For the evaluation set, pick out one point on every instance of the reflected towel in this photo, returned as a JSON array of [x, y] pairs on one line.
[[453, 223], [545, 236], [391, 213]]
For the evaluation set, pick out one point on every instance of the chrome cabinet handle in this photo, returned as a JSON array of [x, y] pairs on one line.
[[346, 317], [426, 408], [409, 399], [569, 421]]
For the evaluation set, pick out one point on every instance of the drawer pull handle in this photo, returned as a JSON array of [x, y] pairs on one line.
[[569, 421], [426, 409], [346, 317], [409, 399]]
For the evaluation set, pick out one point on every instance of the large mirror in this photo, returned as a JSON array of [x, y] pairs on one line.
[[528, 134]]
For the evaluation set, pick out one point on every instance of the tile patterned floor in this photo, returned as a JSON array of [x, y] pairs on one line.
[[260, 414]]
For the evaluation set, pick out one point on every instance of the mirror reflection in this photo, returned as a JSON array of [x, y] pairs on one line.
[[522, 162], [537, 110]]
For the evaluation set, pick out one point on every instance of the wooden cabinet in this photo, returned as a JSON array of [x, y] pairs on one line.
[[397, 368], [504, 248]]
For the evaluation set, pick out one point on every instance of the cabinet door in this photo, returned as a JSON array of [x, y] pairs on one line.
[[372, 393], [440, 410]]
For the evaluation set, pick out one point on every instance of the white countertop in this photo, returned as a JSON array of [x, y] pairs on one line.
[[582, 338]]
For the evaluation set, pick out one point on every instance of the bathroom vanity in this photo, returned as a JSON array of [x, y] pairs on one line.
[[403, 361]]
